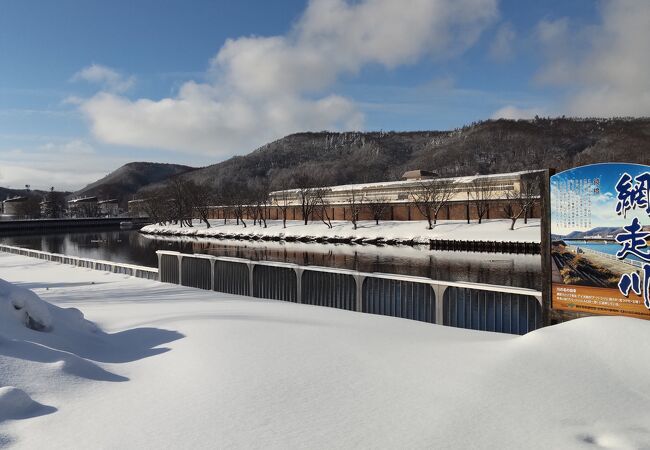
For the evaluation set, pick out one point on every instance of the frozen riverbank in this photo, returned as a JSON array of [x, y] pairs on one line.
[[388, 232], [172, 367]]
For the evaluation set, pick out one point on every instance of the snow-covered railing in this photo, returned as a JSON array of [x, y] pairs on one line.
[[460, 304], [149, 273]]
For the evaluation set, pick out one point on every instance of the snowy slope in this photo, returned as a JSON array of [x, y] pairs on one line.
[[489, 230], [187, 368]]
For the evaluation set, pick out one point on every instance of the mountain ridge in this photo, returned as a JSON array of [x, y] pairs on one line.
[[490, 146], [128, 179]]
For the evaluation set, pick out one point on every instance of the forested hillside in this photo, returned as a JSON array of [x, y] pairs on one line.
[[485, 147]]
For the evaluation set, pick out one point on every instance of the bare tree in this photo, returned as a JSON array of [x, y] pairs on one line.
[[481, 194], [54, 204], [259, 200], [307, 194], [29, 208], [179, 201], [156, 206], [235, 195], [282, 197], [378, 207], [356, 202], [519, 202], [430, 196], [529, 188], [201, 197], [512, 209], [321, 206], [281, 200]]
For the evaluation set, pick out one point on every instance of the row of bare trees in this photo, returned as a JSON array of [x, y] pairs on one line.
[[181, 200], [178, 201], [429, 197]]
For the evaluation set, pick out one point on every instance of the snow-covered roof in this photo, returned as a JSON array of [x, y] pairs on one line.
[[15, 199], [83, 200], [406, 183], [415, 174]]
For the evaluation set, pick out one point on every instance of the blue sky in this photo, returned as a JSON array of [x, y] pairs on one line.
[[86, 86]]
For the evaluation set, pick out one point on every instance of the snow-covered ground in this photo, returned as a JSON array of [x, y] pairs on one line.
[[489, 230], [171, 367]]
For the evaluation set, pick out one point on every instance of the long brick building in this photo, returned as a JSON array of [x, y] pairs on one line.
[[397, 194]]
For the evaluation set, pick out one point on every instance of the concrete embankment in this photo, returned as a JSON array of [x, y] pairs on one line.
[[492, 236], [34, 225]]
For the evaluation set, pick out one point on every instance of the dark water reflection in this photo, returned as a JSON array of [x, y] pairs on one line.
[[132, 247]]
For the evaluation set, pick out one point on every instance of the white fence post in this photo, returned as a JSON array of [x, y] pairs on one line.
[[298, 271], [358, 279], [439, 290]]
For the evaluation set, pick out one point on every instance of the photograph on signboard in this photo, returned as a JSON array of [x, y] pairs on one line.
[[600, 228]]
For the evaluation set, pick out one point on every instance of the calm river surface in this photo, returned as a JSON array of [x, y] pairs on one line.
[[129, 246]]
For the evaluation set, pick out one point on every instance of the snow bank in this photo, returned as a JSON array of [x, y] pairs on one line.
[[400, 231], [250, 373], [24, 306], [21, 307], [16, 404]]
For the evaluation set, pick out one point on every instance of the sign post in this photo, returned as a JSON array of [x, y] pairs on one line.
[[600, 229]]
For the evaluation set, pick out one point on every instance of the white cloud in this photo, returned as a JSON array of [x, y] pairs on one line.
[[605, 66], [109, 79], [516, 113], [261, 88], [65, 164], [501, 48], [71, 147]]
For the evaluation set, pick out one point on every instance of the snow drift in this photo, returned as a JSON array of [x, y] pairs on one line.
[[252, 373], [45, 349]]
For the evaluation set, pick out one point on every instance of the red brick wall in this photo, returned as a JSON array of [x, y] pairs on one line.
[[396, 211]]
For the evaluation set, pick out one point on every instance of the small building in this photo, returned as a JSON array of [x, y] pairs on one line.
[[137, 208], [109, 208], [14, 206], [48, 210], [83, 207], [414, 175]]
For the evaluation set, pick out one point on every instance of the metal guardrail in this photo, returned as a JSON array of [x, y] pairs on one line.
[[458, 304], [149, 273], [496, 311]]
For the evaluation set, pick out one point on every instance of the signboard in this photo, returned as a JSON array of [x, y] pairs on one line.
[[600, 235]]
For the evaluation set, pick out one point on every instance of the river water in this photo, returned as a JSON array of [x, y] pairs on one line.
[[130, 246], [610, 248]]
